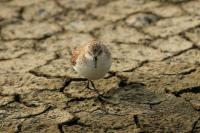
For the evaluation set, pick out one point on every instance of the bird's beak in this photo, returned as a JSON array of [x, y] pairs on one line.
[[95, 61]]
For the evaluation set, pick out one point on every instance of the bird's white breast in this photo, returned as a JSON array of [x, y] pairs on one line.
[[87, 68]]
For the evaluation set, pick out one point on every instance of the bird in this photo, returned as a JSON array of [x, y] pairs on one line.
[[91, 61]]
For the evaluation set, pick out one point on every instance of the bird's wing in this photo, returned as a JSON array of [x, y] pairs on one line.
[[75, 54]]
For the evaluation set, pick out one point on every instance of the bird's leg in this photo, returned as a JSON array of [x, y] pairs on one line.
[[100, 96], [92, 87], [88, 85]]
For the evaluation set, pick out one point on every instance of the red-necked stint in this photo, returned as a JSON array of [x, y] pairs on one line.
[[92, 61]]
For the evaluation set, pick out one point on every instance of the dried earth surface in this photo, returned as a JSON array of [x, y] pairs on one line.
[[153, 85]]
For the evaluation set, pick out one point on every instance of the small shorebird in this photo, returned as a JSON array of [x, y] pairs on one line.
[[92, 61]]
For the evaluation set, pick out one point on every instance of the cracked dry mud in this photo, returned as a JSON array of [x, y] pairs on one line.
[[153, 85]]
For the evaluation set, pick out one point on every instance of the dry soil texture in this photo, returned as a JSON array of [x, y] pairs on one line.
[[153, 85]]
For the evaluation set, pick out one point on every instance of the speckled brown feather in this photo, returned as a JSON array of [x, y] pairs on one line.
[[75, 53], [92, 47]]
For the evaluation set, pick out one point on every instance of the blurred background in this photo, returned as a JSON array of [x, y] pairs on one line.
[[155, 49]]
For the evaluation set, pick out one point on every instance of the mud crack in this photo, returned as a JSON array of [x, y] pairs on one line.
[[195, 89]]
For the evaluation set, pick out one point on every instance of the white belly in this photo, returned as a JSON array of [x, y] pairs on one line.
[[89, 71]]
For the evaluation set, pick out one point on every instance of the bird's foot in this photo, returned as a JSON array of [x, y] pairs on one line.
[[100, 97]]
